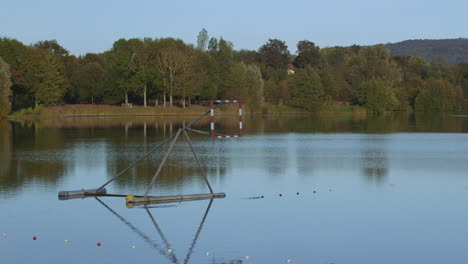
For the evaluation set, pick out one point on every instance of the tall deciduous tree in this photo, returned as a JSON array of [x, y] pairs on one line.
[[17, 55], [372, 63], [123, 53], [88, 79], [45, 77], [174, 61], [5, 88], [254, 84], [274, 54], [307, 54], [202, 40]]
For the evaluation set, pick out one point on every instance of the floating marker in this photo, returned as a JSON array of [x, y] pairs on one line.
[[289, 261], [247, 257], [34, 238], [66, 241], [99, 244], [4, 235], [133, 247], [208, 254], [170, 250]]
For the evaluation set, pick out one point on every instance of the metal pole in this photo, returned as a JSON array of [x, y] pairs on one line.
[[136, 162], [198, 161], [162, 162]]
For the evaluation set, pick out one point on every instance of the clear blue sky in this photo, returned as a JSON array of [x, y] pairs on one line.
[[93, 25]]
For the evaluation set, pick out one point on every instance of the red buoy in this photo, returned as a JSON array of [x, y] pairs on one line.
[[99, 244], [34, 238]]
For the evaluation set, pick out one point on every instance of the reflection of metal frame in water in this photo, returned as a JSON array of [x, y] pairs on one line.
[[165, 252]]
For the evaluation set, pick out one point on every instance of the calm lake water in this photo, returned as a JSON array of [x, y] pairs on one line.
[[392, 189]]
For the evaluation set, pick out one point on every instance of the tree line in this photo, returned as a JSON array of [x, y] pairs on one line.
[[167, 72]]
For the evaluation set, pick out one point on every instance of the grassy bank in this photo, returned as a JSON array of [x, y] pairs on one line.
[[194, 110]]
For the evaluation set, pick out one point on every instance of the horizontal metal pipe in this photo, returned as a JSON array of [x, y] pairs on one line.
[[67, 195], [133, 201]]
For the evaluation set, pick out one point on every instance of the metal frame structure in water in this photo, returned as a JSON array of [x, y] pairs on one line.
[[133, 200]]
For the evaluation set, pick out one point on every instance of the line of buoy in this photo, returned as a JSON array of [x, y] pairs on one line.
[[279, 195], [170, 250]]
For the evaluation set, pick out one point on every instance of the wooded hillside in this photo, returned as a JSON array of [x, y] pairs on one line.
[[453, 51]]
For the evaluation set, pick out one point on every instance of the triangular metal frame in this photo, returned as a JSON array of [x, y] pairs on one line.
[[133, 200]]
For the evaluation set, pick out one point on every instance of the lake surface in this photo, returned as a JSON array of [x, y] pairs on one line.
[[390, 189]]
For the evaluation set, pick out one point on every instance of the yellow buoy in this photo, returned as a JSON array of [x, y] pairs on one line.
[[129, 197]]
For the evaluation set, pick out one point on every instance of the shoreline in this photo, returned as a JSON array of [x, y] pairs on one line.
[[82, 111]]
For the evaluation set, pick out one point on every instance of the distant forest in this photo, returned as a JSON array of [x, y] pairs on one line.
[[451, 51], [167, 72]]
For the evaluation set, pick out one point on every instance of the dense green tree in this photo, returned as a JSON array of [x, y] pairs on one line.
[[5, 88], [337, 61], [122, 55], [196, 81], [247, 56], [373, 63], [461, 73], [439, 71], [439, 96], [88, 80], [277, 92], [52, 46], [307, 90], [235, 82], [377, 96], [45, 77], [17, 55], [307, 54], [213, 46], [245, 83], [274, 54]]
